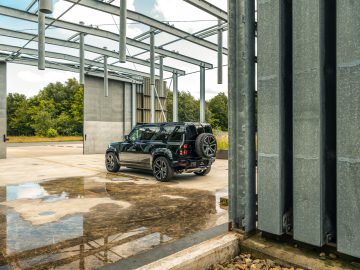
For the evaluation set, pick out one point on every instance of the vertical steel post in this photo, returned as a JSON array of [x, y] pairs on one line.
[[241, 68], [106, 79], [220, 53], [133, 104], [202, 95], [122, 41], [152, 75], [82, 57], [348, 127], [46, 6], [161, 75], [41, 40], [175, 98]]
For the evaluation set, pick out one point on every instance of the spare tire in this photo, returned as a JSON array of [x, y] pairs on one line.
[[206, 145]]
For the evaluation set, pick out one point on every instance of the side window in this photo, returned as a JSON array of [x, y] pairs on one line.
[[177, 134], [135, 134], [163, 133], [148, 133]]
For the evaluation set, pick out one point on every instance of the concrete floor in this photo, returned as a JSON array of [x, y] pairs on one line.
[[65, 211]]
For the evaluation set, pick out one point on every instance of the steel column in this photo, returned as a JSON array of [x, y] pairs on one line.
[[82, 57], [133, 104], [348, 127], [202, 95], [175, 98], [106, 79], [161, 76], [41, 40], [274, 116], [46, 6], [314, 94], [122, 41], [241, 37], [220, 53], [3, 113], [152, 76]]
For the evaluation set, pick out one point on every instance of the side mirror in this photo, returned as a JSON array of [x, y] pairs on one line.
[[126, 137]]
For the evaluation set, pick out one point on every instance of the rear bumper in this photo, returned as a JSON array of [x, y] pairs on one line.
[[193, 163]]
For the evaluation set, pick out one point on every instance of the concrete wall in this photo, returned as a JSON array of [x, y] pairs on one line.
[[105, 118], [274, 114], [2, 109], [348, 127]]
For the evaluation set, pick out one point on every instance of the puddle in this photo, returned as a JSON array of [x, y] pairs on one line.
[[88, 222]]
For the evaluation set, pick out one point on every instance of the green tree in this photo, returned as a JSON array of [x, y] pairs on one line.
[[189, 107], [58, 107], [218, 107], [19, 120]]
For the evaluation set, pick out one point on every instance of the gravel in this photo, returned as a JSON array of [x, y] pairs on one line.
[[247, 262]]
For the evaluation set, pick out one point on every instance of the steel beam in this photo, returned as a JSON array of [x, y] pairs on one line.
[[74, 59], [82, 57], [175, 98], [134, 16], [220, 53], [90, 48], [242, 192], [122, 41], [106, 76], [41, 40], [209, 8], [32, 3], [19, 14], [66, 67], [202, 95], [152, 76]]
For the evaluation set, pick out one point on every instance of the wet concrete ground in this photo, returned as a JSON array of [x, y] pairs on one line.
[[89, 218]]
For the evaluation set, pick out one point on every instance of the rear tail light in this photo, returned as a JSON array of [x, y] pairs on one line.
[[184, 150]]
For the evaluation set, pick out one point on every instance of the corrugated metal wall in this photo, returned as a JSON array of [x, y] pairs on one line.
[[309, 121], [144, 105]]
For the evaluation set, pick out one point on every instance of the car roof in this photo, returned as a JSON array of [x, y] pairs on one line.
[[172, 123]]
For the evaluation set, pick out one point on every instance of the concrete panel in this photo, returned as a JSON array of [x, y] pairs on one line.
[[348, 127], [312, 133], [274, 114], [103, 116], [2, 109]]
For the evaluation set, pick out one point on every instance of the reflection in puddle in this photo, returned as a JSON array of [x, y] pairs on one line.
[[85, 223]]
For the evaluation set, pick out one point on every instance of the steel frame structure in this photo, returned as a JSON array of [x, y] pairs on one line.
[[101, 64]]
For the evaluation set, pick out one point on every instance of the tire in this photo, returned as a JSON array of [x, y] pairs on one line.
[[162, 170], [203, 172], [206, 145], [111, 162]]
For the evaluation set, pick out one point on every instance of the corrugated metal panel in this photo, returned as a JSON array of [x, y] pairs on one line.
[[348, 127]]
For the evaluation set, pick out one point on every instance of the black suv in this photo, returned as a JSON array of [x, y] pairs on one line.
[[165, 148]]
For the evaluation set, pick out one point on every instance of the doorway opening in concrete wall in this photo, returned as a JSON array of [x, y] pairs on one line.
[[43, 112]]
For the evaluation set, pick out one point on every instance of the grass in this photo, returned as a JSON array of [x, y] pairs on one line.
[[32, 139], [222, 139]]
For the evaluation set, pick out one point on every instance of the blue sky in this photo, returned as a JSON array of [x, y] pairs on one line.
[[29, 80]]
